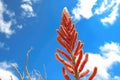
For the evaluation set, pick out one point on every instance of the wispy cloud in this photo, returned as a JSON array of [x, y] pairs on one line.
[[109, 55], [108, 9], [27, 8], [6, 72], [5, 26], [19, 26], [105, 5], [4, 46], [31, 1], [83, 9], [111, 18]]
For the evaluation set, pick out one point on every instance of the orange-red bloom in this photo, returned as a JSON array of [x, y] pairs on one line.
[[67, 37]]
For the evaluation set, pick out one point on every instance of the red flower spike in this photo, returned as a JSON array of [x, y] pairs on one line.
[[65, 14], [63, 37], [61, 41], [67, 37], [93, 74], [83, 63], [72, 27], [59, 58], [63, 61], [79, 52], [74, 40], [78, 61], [64, 54], [67, 34], [72, 33], [64, 31], [65, 74], [83, 73], [67, 64], [65, 45], [70, 70], [69, 23], [81, 45], [77, 48]]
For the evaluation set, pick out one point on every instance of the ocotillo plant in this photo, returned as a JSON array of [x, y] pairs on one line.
[[74, 62]]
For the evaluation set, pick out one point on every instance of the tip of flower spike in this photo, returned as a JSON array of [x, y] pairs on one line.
[[65, 11]]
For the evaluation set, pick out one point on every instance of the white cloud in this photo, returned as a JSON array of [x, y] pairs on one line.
[[6, 65], [111, 18], [110, 54], [116, 78], [5, 26], [30, 1], [8, 18], [19, 26], [5, 72], [27, 1], [11, 14], [108, 9], [83, 9], [4, 46], [27, 8], [104, 6]]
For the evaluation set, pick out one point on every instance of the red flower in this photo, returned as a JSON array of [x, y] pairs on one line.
[[67, 37]]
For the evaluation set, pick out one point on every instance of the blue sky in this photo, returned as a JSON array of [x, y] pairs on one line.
[[33, 23]]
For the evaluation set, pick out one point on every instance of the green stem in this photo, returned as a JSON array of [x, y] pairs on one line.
[[75, 70]]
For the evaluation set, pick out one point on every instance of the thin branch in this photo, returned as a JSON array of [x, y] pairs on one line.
[[39, 75], [45, 74], [11, 78], [15, 68], [26, 67]]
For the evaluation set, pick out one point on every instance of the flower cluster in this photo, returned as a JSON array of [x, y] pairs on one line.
[[74, 62]]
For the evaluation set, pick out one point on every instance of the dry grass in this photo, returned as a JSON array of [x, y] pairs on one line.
[[39, 77]]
